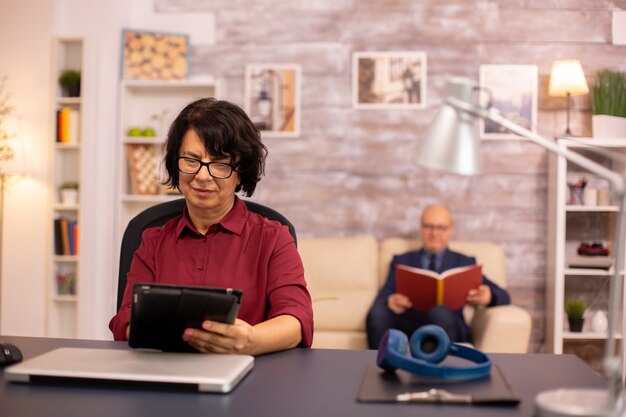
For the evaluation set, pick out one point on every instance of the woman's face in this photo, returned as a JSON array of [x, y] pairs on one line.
[[201, 190]]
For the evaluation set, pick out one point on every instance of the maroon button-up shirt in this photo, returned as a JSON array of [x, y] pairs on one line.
[[244, 250]]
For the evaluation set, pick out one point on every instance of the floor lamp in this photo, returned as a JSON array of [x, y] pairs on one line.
[[451, 144]]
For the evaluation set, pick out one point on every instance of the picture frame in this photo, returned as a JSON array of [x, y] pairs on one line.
[[272, 98], [154, 55], [389, 80], [513, 91]]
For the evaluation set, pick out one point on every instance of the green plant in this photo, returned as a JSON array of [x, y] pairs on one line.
[[575, 308], [608, 93], [69, 78], [68, 185]]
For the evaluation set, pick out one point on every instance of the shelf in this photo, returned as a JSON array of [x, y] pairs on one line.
[[65, 298], [143, 140], [67, 146], [589, 272], [587, 336], [65, 258], [156, 198], [581, 208], [69, 100], [152, 84], [65, 207]]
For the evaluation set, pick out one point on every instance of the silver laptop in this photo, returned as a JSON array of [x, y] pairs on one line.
[[210, 373]]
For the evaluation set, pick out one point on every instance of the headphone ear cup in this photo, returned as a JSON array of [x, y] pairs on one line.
[[430, 343], [394, 343]]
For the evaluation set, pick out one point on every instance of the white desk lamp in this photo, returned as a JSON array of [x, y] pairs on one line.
[[451, 144]]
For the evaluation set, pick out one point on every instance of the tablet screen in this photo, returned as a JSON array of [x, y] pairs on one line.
[[160, 313]]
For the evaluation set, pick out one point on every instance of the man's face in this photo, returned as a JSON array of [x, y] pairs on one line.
[[436, 228]]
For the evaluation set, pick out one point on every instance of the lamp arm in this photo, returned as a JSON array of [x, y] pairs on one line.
[[617, 181], [613, 366]]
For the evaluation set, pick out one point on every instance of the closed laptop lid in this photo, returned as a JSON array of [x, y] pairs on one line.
[[210, 372]]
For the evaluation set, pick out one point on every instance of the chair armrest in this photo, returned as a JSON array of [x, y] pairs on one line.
[[501, 329]]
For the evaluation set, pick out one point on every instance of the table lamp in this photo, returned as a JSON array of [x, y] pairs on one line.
[[451, 144], [567, 79]]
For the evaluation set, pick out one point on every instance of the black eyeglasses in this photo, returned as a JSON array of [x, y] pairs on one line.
[[220, 170]]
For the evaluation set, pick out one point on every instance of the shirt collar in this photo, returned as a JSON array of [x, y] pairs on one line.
[[232, 222]]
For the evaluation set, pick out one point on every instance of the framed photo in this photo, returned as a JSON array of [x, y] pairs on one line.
[[154, 56], [272, 98], [513, 90], [387, 80]]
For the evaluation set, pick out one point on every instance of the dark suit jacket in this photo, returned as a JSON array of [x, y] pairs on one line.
[[499, 296]]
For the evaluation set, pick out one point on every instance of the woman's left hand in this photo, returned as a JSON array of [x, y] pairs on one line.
[[217, 337]]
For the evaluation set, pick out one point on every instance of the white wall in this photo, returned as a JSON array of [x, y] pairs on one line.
[[26, 38], [25, 45]]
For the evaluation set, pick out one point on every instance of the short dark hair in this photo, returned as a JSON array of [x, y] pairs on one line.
[[226, 131]]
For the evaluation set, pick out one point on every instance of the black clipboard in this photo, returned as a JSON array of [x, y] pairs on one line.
[[160, 313], [404, 387]]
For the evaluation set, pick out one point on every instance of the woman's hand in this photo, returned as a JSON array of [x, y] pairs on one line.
[[398, 303], [217, 337], [279, 333], [480, 296]]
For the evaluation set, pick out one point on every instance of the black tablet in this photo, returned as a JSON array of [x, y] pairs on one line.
[[160, 313]]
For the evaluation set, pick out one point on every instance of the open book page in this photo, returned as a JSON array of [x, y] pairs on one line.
[[427, 289]]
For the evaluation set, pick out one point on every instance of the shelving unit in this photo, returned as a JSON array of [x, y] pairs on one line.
[[148, 105], [63, 286], [571, 224]]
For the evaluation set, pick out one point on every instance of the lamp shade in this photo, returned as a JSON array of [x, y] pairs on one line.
[[567, 76], [451, 142]]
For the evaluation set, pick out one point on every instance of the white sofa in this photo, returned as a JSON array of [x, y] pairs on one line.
[[344, 275]]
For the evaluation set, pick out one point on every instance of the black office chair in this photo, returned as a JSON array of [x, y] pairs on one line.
[[157, 216]]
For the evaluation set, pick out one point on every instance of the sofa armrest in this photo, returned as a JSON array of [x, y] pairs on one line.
[[490, 324]]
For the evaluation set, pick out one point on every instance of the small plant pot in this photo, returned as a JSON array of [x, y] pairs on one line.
[[69, 196], [71, 91], [576, 325]]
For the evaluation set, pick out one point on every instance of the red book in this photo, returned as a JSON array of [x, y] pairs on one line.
[[427, 289]]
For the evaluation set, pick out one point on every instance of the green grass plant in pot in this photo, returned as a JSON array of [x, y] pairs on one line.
[[608, 94], [575, 310], [69, 80]]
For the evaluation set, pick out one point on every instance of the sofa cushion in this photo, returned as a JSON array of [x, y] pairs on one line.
[[342, 278]]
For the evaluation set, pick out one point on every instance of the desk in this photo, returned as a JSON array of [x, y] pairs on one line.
[[298, 382]]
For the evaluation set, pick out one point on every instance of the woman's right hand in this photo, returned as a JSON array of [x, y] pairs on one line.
[[398, 303]]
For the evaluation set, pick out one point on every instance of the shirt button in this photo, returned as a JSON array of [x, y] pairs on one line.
[[200, 267]]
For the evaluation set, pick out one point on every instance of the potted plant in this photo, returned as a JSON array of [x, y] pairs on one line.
[[69, 193], [608, 94], [69, 80], [575, 310]]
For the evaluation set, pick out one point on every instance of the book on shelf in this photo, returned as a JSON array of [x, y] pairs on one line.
[[426, 288], [65, 237], [68, 125]]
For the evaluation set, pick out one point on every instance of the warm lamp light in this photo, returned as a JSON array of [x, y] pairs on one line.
[[450, 128], [567, 79]]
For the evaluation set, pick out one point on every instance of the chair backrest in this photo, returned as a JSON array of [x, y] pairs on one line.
[[490, 255], [159, 215]]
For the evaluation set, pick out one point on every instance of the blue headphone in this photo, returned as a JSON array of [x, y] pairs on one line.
[[429, 345]]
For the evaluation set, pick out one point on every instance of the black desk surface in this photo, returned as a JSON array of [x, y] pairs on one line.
[[316, 383]]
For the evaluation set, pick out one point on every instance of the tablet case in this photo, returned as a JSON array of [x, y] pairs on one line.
[[160, 313], [404, 387]]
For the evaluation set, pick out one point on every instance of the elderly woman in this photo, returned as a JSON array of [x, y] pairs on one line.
[[214, 151]]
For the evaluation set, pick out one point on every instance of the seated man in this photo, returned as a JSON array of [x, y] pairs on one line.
[[393, 310]]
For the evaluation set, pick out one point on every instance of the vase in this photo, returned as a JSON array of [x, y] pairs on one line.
[[599, 322], [604, 126], [69, 196], [576, 325]]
